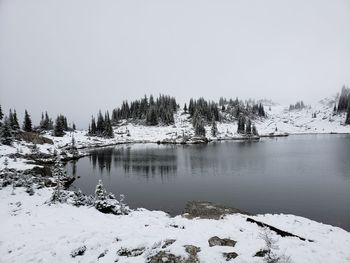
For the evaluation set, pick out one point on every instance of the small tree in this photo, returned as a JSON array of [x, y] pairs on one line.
[[270, 256], [27, 123], [14, 121], [108, 130], [73, 148], [214, 129], [35, 149], [102, 199], [59, 126], [6, 133], [59, 173], [107, 203]]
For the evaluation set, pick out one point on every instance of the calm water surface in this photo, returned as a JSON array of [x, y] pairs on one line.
[[306, 175]]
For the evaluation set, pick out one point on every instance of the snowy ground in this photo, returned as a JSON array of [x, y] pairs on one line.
[[32, 231], [301, 121]]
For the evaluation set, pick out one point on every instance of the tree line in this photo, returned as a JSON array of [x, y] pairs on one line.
[[205, 112], [297, 106], [149, 110], [10, 127]]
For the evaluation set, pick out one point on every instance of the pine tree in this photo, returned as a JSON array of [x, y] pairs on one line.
[[347, 121], [6, 133], [248, 129], [185, 108], [42, 122], [27, 123], [93, 126], [105, 202], [100, 192], [59, 173], [108, 130], [14, 121], [100, 124], [255, 131], [241, 125], [198, 124], [214, 129], [151, 117], [73, 148], [1, 114], [65, 123], [59, 126], [261, 112], [73, 126]]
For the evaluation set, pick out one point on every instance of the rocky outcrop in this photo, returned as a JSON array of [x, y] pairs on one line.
[[162, 257], [208, 210], [216, 241]]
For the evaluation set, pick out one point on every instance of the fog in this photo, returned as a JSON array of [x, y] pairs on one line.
[[76, 57]]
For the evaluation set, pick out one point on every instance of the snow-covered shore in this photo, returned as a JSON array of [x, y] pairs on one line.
[[279, 121], [32, 231]]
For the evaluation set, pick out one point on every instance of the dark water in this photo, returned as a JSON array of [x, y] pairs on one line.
[[303, 175]]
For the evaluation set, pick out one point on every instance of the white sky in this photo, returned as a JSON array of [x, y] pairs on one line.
[[78, 56]]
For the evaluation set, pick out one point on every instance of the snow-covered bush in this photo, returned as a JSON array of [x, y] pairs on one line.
[[107, 203], [80, 199]]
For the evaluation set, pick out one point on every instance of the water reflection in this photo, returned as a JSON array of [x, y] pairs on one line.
[[140, 161]]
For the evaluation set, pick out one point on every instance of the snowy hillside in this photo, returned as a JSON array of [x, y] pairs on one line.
[[301, 121], [32, 231]]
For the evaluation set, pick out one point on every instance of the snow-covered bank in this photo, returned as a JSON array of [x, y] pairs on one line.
[[32, 231], [279, 121]]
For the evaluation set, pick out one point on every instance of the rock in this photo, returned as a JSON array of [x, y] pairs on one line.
[[192, 251], [168, 242], [230, 255], [261, 253], [216, 241], [208, 210], [78, 252], [124, 252], [102, 254], [164, 257]]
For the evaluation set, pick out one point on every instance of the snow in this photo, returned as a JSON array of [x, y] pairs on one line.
[[32, 231], [19, 164], [301, 121]]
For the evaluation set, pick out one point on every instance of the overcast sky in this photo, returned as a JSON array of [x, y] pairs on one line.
[[78, 56]]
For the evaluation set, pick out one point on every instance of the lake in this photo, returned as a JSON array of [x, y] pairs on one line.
[[306, 175]]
